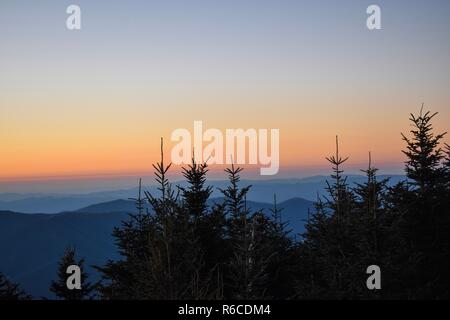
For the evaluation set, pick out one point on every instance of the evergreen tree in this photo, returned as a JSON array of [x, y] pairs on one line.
[[370, 197], [208, 226], [196, 195], [424, 155], [371, 193], [399, 259], [247, 268], [59, 286], [10, 290], [370, 225], [123, 279], [426, 224], [175, 256], [161, 255], [311, 282], [340, 197], [332, 251], [279, 245]]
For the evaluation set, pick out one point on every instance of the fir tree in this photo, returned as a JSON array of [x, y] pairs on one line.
[[370, 223], [208, 225], [311, 280], [123, 279], [10, 290], [279, 245], [424, 155], [370, 194], [196, 195], [175, 258], [59, 286], [340, 200], [331, 250], [161, 255], [426, 222], [248, 265]]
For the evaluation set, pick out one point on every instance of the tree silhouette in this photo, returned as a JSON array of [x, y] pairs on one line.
[[187, 246], [426, 222], [424, 155], [59, 286], [10, 290]]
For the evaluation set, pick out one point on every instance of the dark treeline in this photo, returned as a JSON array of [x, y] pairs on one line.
[[186, 249]]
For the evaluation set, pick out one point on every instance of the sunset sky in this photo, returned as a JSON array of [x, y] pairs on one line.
[[95, 102]]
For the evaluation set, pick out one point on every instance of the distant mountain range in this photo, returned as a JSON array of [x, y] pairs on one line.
[[262, 191], [31, 244]]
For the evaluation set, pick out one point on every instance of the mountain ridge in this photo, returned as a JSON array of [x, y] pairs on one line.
[[261, 190]]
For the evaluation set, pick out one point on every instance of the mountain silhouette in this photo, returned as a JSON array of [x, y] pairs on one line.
[[262, 191]]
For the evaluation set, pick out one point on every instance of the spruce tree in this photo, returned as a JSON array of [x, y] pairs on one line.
[[208, 225], [369, 219], [340, 197], [127, 278], [279, 245], [312, 281], [59, 286], [370, 194], [370, 209], [175, 256], [162, 258], [10, 290], [196, 194], [426, 224], [247, 268], [424, 154], [331, 248]]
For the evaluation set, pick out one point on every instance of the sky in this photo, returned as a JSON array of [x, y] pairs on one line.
[[94, 102]]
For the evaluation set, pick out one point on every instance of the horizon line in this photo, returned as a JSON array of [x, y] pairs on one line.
[[323, 170]]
